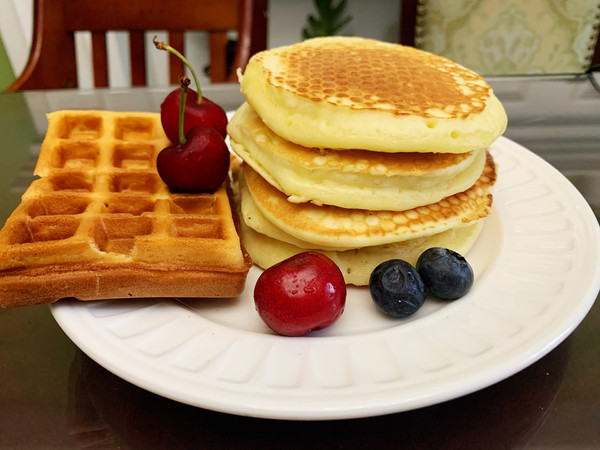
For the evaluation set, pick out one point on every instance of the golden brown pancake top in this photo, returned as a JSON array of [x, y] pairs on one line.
[[367, 74]]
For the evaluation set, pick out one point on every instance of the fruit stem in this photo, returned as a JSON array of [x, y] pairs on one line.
[[184, 82], [164, 46]]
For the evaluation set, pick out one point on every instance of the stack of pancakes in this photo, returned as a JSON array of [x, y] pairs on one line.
[[363, 150]]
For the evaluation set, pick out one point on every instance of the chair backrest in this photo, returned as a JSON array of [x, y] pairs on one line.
[[52, 63], [502, 37]]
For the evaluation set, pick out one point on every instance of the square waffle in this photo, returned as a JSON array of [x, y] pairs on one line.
[[99, 222]]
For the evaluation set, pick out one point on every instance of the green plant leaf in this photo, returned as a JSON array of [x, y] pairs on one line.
[[329, 21]]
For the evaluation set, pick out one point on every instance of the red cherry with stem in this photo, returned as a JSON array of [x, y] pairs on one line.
[[199, 163], [300, 294], [206, 114], [199, 110]]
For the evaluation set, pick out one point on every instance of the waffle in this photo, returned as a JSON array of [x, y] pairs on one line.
[[351, 178], [354, 93], [99, 223]]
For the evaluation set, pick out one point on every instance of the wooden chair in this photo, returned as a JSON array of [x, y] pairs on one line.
[[52, 62]]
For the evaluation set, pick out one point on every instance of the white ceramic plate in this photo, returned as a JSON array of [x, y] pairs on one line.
[[537, 274]]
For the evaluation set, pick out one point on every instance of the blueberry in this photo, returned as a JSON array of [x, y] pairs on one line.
[[396, 288], [446, 273]]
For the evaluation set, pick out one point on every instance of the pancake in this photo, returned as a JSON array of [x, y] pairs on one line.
[[354, 179], [355, 93], [357, 264], [334, 227], [254, 219]]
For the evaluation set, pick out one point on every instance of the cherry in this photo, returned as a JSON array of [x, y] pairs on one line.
[[207, 114], [199, 110], [303, 293], [199, 163]]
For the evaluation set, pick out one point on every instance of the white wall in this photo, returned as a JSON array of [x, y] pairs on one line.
[[375, 19]]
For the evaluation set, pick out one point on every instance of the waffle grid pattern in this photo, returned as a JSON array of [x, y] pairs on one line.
[[99, 200]]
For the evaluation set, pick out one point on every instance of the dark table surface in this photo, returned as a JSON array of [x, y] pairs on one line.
[[52, 395]]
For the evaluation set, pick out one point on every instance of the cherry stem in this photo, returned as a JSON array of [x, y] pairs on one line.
[[184, 82], [164, 46]]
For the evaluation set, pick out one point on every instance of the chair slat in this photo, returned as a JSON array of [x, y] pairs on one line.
[[99, 59], [137, 54], [218, 56], [175, 65]]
